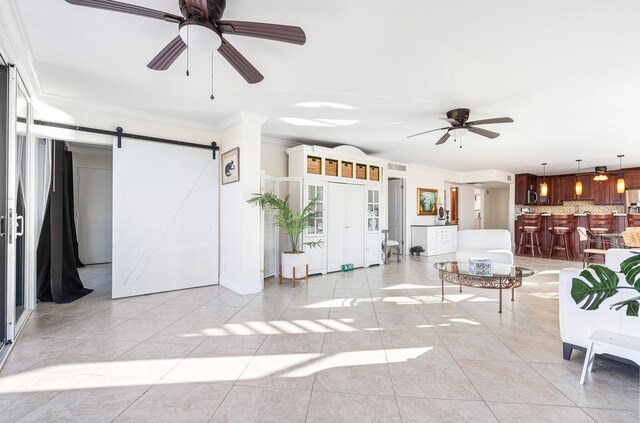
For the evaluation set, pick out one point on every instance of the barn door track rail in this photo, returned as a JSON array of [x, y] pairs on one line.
[[119, 132]]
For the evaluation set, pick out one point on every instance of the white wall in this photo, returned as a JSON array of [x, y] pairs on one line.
[[496, 208], [274, 159], [240, 223], [466, 218], [423, 177]]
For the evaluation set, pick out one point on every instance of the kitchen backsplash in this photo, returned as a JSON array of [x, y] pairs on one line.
[[574, 207]]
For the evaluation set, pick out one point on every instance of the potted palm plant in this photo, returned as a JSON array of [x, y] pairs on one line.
[[293, 225]]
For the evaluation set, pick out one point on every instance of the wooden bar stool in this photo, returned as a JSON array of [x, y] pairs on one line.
[[599, 224], [562, 226], [530, 226], [633, 220]]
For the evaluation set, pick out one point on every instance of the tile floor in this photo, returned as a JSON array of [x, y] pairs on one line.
[[369, 345]]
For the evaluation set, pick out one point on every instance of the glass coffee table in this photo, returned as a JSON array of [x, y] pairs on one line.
[[502, 277]]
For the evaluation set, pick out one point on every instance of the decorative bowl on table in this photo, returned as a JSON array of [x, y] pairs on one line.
[[481, 266]]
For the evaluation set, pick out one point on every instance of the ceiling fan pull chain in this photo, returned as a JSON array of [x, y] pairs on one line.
[[212, 97], [187, 51]]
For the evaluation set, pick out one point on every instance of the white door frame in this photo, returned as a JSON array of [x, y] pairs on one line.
[[28, 221], [402, 230]]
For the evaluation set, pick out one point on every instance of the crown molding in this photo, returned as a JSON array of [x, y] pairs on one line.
[[241, 117], [279, 141], [15, 49]]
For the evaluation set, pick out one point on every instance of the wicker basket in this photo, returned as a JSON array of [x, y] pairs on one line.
[[330, 167], [346, 170], [374, 173], [314, 165], [361, 171]]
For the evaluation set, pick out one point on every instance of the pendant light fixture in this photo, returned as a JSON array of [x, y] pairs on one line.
[[578, 182], [620, 185], [544, 188]]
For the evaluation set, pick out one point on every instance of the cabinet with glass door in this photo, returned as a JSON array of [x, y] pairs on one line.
[[373, 239], [316, 229]]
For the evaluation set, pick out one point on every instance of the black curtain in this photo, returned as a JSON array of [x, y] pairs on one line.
[[57, 255]]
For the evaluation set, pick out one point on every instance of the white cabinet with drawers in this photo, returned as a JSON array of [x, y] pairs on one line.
[[435, 239]]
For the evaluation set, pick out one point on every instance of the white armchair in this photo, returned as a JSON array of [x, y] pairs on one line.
[[577, 325], [494, 244]]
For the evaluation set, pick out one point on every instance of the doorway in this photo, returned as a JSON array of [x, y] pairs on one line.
[[396, 204], [93, 192], [496, 208]]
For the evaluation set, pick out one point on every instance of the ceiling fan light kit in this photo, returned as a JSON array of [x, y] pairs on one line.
[[459, 126], [201, 29], [601, 174]]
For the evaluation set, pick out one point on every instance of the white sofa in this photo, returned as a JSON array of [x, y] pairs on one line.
[[494, 244], [577, 325]]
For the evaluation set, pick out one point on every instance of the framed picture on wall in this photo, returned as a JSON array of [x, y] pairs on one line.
[[427, 202], [231, 166]]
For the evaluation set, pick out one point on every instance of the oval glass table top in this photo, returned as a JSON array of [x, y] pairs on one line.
[[498, 270]]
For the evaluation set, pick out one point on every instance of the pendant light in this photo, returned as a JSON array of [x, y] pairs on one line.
[[578, 182], [544, 189], [620, 185]]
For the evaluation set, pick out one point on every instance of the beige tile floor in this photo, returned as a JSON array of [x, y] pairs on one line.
[[369, 345]]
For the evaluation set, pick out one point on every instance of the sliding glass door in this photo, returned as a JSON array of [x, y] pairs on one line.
[[17, 292], [4, 133]]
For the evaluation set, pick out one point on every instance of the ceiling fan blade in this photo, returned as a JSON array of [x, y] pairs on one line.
[[451, 121], [426, 132], [444, 139], [198, 8], [483, 132], [488, 121], [284, 33], [168, 55], [240, 63], [131, 9]]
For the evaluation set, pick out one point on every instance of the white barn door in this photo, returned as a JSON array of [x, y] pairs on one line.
[[165, 218]]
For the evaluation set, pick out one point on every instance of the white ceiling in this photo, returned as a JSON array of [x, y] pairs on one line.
[[373, 72]]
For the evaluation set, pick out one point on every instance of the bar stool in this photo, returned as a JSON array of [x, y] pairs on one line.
[[561, 225], [599, 224], [633, 220], [531, 226]]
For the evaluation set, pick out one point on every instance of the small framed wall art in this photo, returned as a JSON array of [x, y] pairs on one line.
[[231, 166], [427, 202]]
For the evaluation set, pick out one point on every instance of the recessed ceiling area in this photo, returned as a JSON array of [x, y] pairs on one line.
[[373, 72]]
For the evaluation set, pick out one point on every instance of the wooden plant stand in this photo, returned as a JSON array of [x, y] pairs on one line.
[[293, 279]]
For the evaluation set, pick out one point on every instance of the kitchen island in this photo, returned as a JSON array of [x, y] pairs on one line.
[[580, 220]]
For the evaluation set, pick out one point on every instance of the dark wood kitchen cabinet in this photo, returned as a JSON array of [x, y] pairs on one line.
[[606, 192], [525, 182], [632, 178]]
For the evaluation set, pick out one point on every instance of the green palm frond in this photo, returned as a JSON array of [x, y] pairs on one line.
[[293, 224], [594, 286], [631, 269]]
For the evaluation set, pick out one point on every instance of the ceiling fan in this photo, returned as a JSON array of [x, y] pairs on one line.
[[457, 118], [201, 28]]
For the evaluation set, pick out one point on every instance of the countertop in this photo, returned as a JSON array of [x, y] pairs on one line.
[[429, 226], [575, 214]]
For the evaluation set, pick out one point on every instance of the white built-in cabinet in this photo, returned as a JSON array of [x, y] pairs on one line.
[[346, 226], [435, 239], [315, 232], [349, 186]]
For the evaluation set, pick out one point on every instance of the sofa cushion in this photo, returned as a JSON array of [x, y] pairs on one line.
[[484, 239], [497, 256]]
